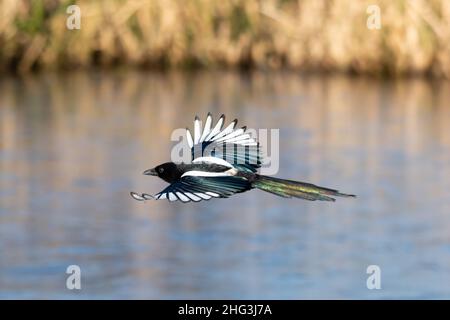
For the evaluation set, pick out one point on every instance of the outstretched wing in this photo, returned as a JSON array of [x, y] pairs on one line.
[[230, 144], [197, 188]]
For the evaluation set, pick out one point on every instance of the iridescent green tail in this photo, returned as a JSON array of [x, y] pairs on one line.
[[289, 188]]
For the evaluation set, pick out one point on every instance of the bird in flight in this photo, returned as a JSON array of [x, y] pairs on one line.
[[225, 162]]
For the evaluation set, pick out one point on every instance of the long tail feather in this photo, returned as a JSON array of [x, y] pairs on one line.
[[289, 188]]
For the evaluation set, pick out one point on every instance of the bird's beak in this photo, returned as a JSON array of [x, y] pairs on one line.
[[150, 172]]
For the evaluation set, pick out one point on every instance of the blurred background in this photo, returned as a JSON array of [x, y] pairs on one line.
[[84, 112]]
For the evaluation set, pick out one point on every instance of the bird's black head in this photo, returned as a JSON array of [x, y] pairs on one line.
[[167, 171]]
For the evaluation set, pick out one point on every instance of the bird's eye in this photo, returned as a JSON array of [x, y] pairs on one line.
[[161, 170]]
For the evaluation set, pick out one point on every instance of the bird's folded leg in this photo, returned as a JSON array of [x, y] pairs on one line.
[[141, 197]]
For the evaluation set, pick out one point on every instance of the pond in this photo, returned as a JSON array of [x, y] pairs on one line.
[[73, 145]]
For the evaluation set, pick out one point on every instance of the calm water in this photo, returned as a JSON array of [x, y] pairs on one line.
[[73, 146]]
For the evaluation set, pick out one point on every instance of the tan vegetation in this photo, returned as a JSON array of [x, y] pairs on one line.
[[324, 35]]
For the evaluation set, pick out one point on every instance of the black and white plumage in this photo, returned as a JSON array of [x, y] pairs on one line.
[[224, 162], [233, 145]]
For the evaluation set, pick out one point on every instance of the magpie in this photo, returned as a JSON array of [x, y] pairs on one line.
[[224, 161]]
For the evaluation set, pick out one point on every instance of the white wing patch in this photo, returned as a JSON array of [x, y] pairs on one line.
[[161, 196], [216, 129], [141, 197], [197, 188], [197, 130], [226, 131], [182, 197], [207, 128], [232, 134], [189, 138], [216, 135], [203, 195], [193, 197], [227, 135], [195, 173]]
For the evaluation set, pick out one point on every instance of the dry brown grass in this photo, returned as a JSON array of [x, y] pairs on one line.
[[302, 34]]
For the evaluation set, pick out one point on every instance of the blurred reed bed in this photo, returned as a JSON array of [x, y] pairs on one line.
[[326, 35]]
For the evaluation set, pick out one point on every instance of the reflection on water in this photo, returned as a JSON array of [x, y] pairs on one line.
[[72, 147]]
